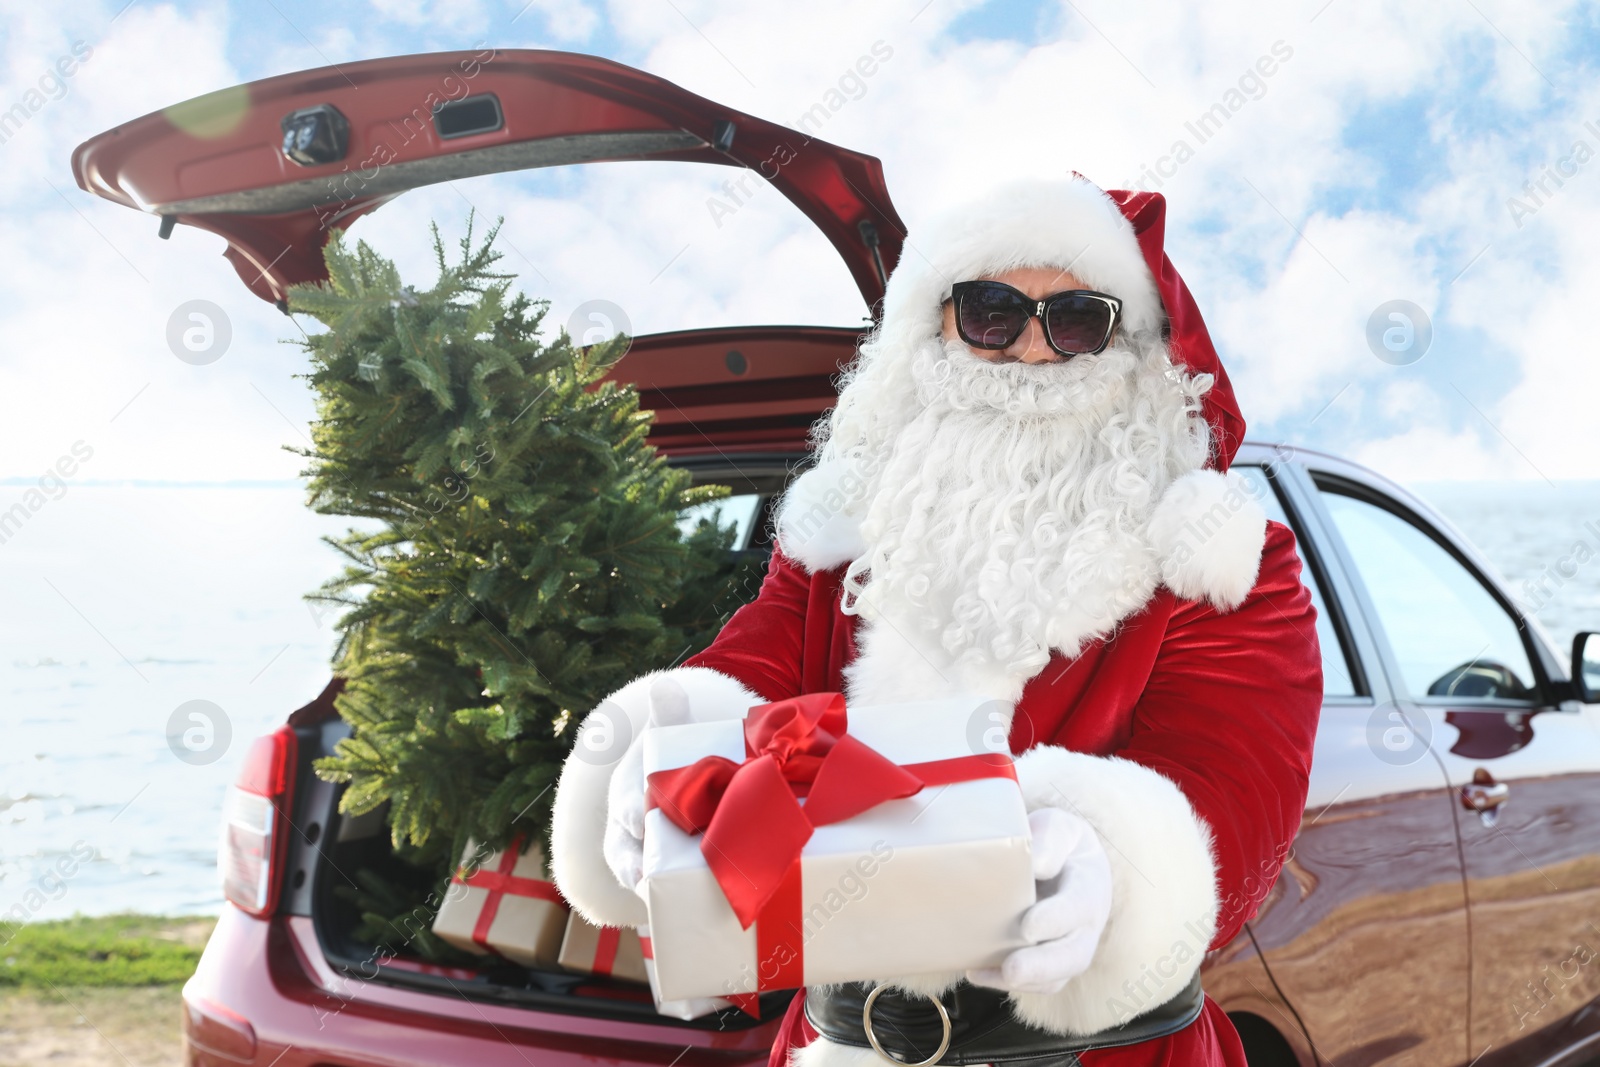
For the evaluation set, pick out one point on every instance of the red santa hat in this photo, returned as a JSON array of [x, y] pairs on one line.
[[1113, 241]]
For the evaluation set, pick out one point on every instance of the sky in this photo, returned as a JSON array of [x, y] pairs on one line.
[[1368, 154]]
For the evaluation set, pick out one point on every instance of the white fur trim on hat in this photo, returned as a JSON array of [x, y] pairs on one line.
[[578, 823], [1208, 529], [1066, 223], [1164, 899]]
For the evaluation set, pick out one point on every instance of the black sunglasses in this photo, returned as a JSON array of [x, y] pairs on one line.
[[992, 315]]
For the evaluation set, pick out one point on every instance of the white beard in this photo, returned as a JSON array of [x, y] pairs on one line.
[[1003, 507]]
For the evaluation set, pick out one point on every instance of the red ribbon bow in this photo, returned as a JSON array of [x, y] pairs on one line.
[[753, 823]]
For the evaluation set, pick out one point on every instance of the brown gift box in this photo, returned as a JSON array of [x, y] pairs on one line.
[[504, 905], [603, 950]]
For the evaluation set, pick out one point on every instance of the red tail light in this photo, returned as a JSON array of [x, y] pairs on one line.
[[255, 824]]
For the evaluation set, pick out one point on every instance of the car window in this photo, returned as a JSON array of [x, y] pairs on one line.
[[1337, 679], [740, 510], [1449, 634]]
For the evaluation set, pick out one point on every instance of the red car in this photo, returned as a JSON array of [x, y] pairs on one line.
[[1440, 903]]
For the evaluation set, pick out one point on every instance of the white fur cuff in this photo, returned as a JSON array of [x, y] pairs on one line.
[[577, 826], [1163, 899], [1208, 530], [817, 523]]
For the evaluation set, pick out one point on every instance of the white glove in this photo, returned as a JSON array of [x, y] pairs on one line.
[[1074, 890], [623, 845]]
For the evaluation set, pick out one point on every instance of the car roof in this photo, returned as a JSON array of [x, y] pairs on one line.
[[218, 162]]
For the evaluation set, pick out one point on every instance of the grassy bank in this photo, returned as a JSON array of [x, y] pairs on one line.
[[95, 990]]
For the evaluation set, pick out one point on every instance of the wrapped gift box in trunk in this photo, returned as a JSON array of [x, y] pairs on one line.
[[504, 904], [804, 845], [608, 951]]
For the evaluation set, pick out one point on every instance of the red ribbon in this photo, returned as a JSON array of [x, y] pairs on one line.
[[749, 814], [498, 883], [754, 827], [605, 949]]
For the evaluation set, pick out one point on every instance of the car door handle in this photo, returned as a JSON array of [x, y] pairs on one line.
[[1484, 795], [1477, 797]]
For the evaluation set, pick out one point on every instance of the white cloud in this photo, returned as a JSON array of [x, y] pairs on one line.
[[432, 14], [1430, 454], [85, 331], [568, 21], [1541, 320], [408, 12]]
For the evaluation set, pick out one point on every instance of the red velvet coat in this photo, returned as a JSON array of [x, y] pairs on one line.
[[1223, 704]]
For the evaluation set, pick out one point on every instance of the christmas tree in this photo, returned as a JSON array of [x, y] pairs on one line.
[[521, 557]]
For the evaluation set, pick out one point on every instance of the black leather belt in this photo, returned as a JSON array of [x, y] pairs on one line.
[[975, 1025]]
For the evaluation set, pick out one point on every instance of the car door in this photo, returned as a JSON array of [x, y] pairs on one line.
[[1524, 768], [1365, 930]]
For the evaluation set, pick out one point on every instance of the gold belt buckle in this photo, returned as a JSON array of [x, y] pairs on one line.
[[866, 1024]]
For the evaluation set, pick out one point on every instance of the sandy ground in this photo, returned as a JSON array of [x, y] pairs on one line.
[[90, 1028]]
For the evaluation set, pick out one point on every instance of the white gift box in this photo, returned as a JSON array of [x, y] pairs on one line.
[[694, 1008], [931, 883]]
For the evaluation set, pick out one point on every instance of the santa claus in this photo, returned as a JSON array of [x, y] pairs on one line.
[[1023, 493]]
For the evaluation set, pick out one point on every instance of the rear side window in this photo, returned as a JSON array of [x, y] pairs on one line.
[[1337, 679], [740, 510], [1451, 637]]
